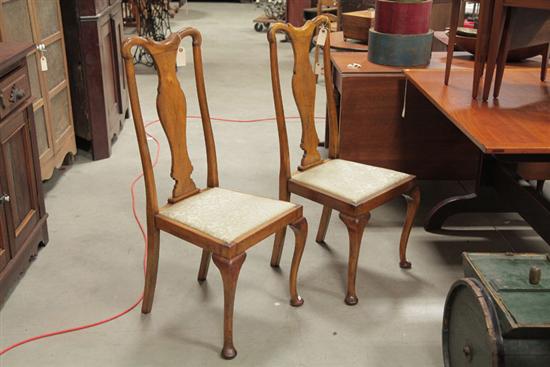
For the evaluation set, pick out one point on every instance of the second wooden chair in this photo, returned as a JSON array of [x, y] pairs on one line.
[[351, 188]]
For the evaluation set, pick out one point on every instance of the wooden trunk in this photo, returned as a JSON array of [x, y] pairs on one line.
[[521, 307], [22, 212], [39, 22], [98, 87]]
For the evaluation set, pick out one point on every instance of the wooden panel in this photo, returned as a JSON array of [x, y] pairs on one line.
[[516, 122], [48, 23], [21, 184], [16, 26], [374, 132], [5, 254], [295, 11]]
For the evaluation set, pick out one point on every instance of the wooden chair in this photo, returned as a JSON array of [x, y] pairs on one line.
[[482, 40], [509, 30], [335, 20], [351, 188], [223, 223]]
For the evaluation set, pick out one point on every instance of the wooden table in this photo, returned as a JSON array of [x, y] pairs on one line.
[[338, 42], [508, 132], [374, 132]]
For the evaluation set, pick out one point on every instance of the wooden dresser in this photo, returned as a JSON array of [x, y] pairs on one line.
[[39, 22], [22, 212], [93, 30]]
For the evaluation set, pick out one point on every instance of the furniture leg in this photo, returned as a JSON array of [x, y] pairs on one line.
[[501, 59], [229, 269], [323, 225], [413, 201], [300, 232], [494, 45], [153, 245], [455, 11], [485, 7], [278, 247], [356, 228], [205, 263], [544, 64]]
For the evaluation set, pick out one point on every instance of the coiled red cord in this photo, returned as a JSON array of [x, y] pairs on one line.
[[143, 233]]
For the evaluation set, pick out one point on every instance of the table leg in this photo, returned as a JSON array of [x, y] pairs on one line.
[[484, 200]]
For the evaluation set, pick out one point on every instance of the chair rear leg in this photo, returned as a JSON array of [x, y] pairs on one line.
[[278, 247], [229, 269], [153, 245], [205, 263], [413, 201], [356, 228], [323, 225], [300, 232]]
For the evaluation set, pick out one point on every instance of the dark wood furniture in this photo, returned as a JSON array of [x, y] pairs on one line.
[[515, 24], [508, 132], [295, 11], [223, 223], [22, 213], [352, 189], [39, 22], [93, 31], [378, 128]]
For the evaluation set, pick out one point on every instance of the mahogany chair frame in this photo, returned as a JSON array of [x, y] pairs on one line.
[[355, 217], [172, 109]]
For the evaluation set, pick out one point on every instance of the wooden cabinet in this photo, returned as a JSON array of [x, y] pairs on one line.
[[93, 30], [386, 122], [39, 22], [22, 211]]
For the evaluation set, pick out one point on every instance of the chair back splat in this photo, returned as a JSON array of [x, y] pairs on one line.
[[172, 112], [304, 90]]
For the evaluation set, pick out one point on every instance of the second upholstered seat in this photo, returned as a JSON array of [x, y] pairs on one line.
[[350, 181]]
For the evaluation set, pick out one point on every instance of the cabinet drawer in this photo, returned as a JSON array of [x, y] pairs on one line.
[[14, 91]]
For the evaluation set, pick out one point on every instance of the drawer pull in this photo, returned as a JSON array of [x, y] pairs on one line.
[[17, 94], [4, 199]]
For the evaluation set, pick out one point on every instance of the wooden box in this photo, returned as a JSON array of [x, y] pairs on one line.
[[356, 24]]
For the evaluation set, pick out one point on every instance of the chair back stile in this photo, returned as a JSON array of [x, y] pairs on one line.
[[304, 91], [172, 111]]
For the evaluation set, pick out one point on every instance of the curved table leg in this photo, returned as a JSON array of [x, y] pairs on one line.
[[486, 201]]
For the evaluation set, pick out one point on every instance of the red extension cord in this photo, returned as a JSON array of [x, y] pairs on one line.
[[143, 233]]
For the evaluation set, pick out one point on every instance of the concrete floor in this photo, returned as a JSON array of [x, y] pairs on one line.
[[91, 267]]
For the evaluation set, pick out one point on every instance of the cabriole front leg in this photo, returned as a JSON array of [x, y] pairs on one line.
[[229, 269], [300, 232], [356, 228]]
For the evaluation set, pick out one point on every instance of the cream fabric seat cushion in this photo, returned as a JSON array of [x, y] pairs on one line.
[[350, 181], [225, 214]]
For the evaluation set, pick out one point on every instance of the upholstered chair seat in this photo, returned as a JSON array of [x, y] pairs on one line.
[[349, 181], [224, 214]]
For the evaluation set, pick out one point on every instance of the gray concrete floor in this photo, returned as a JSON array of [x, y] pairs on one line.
[[91, 267]]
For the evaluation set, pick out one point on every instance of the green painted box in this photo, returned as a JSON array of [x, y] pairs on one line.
[[499, 314]]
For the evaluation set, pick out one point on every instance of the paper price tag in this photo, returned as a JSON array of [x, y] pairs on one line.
[[319, 69], [181, 59], [43, 63], [322, 36]]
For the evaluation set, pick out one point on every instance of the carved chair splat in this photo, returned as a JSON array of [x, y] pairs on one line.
[[223, 223], [351, 188]]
